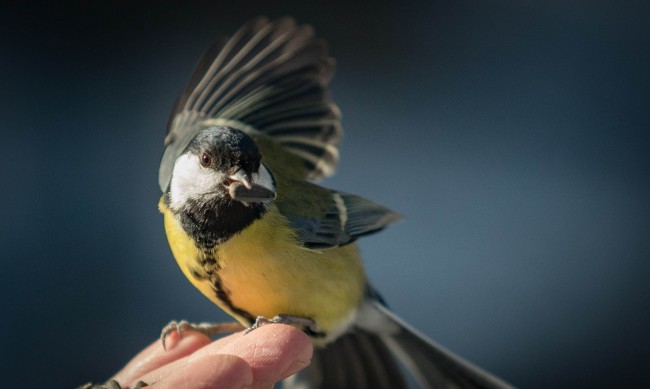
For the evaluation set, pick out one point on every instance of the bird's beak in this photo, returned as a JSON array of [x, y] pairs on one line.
[[243, 189], [242, 177]]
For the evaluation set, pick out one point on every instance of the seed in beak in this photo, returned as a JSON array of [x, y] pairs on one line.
[[242, 177]]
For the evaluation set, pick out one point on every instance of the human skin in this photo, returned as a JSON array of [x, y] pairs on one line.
[[258, 359]]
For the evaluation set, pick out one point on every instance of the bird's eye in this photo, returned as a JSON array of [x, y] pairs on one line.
[[206, 159]]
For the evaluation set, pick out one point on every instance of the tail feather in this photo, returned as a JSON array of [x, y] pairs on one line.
[[432, 365], [367, 357], [357, 360]]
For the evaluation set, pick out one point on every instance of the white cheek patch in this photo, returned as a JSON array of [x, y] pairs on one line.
[[264, 178], [191, 180]]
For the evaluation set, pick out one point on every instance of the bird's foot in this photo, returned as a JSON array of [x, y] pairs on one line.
[[305, 324], [208, 329], [112, 384]]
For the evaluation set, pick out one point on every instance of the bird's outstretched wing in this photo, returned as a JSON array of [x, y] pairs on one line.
[[269, 79]]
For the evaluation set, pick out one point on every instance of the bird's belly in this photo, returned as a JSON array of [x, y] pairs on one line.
[[277, 276]]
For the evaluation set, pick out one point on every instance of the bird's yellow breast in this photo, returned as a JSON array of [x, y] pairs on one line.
[[265, 271]]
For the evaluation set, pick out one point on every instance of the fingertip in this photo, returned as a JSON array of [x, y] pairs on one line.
[[290, 340], [170, 340], [274, 351], [180, 342], [296, 349], [155, 356]]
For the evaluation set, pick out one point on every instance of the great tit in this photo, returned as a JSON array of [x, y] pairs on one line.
[[249, 228]]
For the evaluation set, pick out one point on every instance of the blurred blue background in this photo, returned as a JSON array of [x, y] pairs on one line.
[[513, 136]]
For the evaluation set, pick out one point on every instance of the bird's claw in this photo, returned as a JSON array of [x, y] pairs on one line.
[[307, 325], [207, 329]]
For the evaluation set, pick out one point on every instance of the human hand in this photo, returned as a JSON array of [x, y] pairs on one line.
[[255, 360]]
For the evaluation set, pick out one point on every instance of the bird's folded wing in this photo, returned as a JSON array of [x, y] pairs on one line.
[[327, 218]]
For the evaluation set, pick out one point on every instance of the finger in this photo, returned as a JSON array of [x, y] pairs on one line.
[[223, 371], [273, 351], [154, 356], [161, 371]]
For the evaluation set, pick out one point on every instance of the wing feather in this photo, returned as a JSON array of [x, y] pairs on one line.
[[324, 218], [270, 78]]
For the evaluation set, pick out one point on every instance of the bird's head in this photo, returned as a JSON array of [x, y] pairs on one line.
[[221, 163]]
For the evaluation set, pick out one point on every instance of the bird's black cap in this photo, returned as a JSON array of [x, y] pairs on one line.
[[229, 148]]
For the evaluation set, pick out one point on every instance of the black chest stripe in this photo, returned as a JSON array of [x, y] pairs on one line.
[[208, 270]]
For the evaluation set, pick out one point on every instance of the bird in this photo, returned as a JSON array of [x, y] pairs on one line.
[[249, 226]]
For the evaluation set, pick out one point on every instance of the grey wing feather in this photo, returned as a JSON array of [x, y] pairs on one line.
[[343, 219], [270, 78]]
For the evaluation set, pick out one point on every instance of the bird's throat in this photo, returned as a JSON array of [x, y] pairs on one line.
[[210, 222]]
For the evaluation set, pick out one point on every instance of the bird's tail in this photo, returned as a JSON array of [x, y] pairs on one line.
[[356, 360], [367, 357]]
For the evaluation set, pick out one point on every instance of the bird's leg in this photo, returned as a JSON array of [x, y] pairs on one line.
[[208, 329], [305, 324], [112, 384]]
